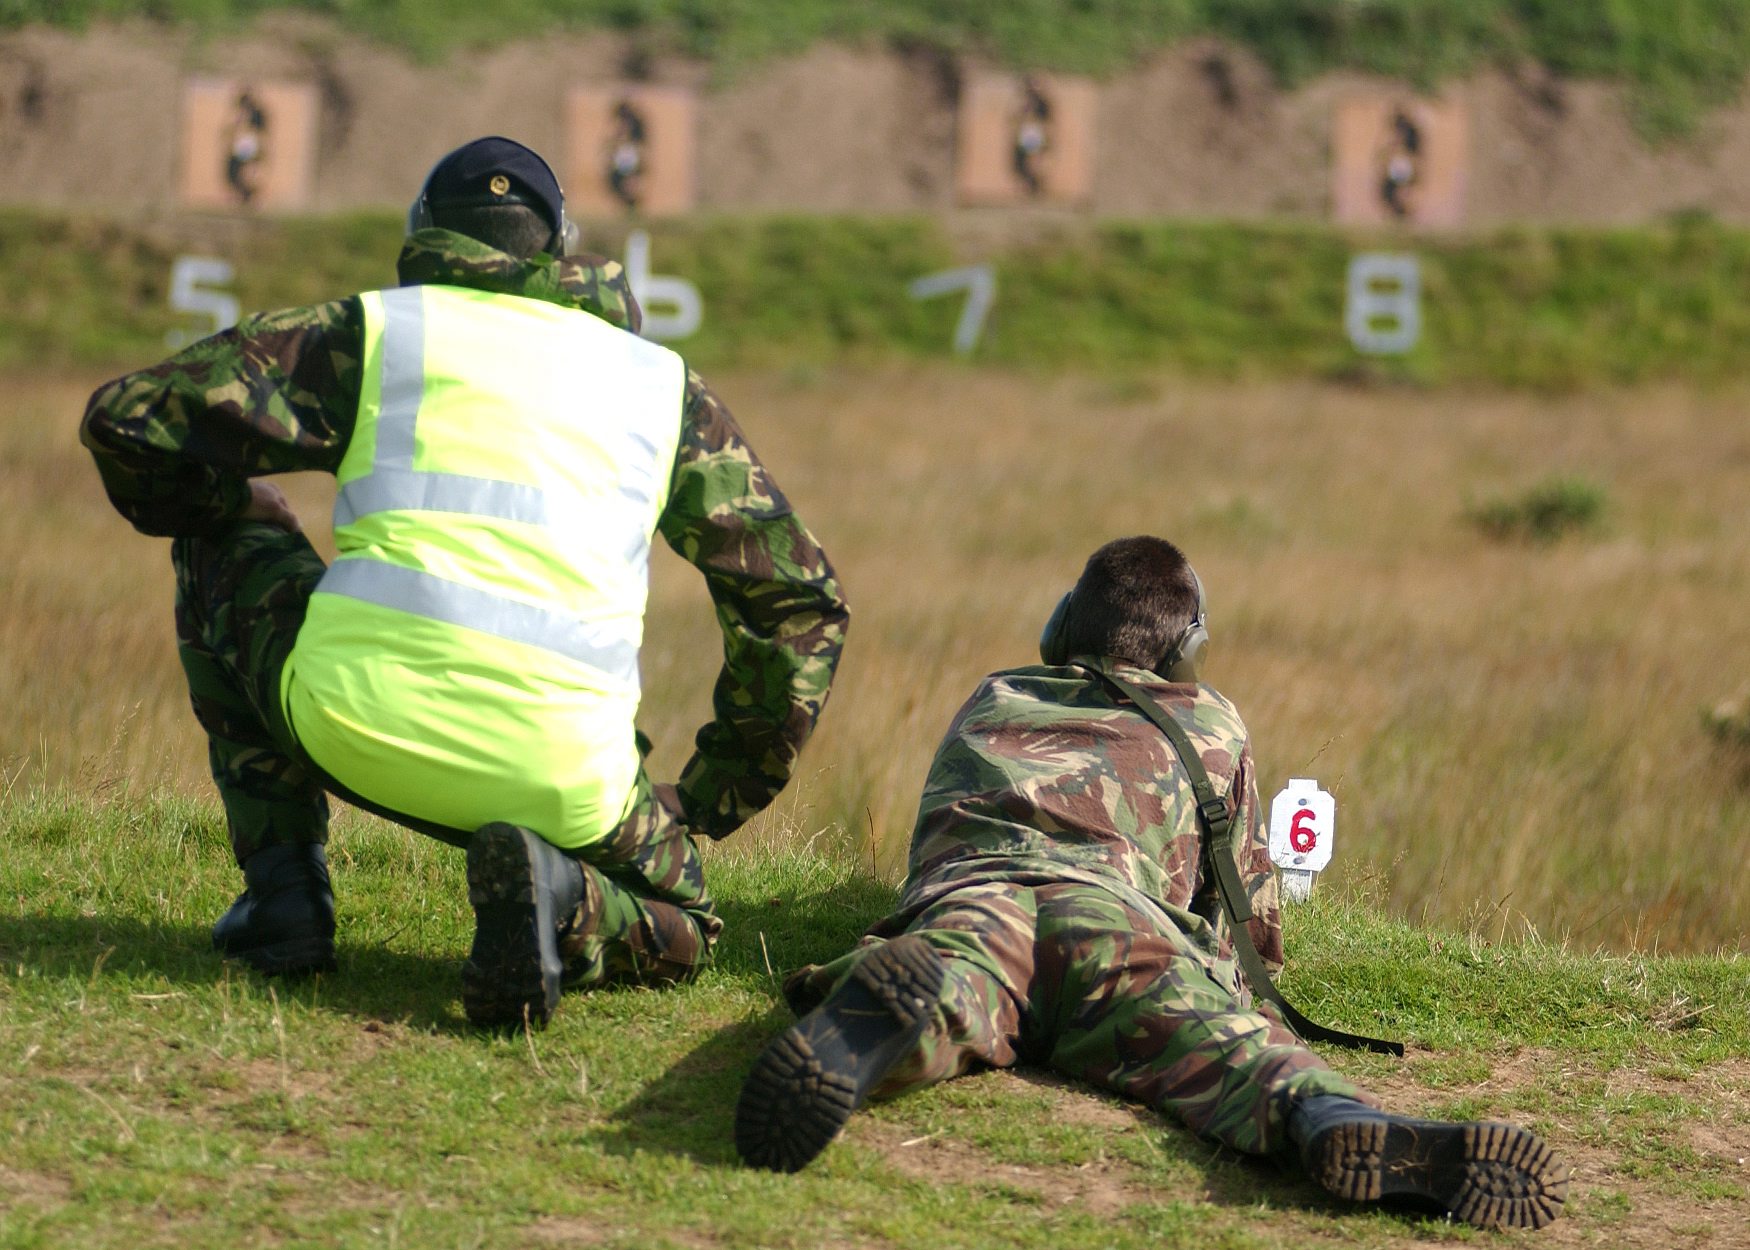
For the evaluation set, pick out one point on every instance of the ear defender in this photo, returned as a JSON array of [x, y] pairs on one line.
[[1053, 644], [1185, 657]]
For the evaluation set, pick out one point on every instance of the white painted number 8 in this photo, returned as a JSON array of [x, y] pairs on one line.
[[1384, 316]]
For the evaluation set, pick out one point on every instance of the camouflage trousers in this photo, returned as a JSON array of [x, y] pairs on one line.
[[1067, 976], [241, 596]]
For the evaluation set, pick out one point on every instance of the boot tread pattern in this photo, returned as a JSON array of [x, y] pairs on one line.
[[905, 977], [503, 982], [791, 1107], [1488, 1174], [808, 1081]]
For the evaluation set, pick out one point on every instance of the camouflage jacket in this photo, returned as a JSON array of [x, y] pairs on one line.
[[1047, 774], [175, 445]]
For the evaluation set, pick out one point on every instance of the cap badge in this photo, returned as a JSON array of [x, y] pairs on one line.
[[499, 184]]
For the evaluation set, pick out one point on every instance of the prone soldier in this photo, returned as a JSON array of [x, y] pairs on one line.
[[1062, 907]]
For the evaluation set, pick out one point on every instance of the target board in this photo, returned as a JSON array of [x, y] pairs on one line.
[[247, 144], [629, 149], [1399, 160], [1025, 139]]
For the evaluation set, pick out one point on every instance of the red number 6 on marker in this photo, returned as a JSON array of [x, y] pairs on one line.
[[1301, 836]]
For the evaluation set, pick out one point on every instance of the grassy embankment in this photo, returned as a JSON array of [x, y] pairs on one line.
[[1679, 56], [1555, 309], [153, 1097]]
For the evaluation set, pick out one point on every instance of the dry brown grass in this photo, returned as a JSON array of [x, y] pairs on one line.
[[1513, 732]]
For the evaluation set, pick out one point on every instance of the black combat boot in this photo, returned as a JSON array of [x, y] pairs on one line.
[[807, 1081], [523, 889], [283, 922], [1488, 1174]]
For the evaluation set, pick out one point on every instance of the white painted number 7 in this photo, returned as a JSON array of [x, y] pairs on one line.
[[980, 284]]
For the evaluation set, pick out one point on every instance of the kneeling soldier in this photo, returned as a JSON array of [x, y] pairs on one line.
[[506, 449]]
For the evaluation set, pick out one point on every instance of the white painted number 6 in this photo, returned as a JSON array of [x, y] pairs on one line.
[[685, 308]]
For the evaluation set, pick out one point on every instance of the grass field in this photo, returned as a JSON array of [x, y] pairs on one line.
[[151, 1096], [1512, 729]]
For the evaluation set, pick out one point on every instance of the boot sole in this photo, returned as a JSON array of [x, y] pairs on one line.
[[512, 975], [1487, 1174], [809, 1079], [301, 957]]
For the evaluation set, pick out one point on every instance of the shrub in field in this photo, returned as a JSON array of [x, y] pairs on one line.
[[1544, 512], [1729, 720]]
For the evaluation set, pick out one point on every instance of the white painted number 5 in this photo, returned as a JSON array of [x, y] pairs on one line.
[[193, 280]]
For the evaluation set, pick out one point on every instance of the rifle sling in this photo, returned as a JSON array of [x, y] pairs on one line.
[[1218, 850]]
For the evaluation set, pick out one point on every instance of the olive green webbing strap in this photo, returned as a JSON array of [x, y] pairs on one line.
[[1212, 811]]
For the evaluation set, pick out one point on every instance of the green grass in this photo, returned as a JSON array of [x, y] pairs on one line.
[[1550, 309], [1679, 55], [154, 1096]]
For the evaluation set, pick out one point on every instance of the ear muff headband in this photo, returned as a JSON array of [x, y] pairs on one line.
[[565, 235], [1181, 662]]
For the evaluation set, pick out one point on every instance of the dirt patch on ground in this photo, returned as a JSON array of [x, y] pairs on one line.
[[1101, 1190], [557, 1232], [1201, 130], [21, 1187], [1615, 1198]]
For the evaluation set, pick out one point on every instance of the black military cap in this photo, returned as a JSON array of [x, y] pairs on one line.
[[494, 170]]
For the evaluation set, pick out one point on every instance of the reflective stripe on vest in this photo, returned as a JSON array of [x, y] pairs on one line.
[[422, 594], [472, 653], [394, 485]]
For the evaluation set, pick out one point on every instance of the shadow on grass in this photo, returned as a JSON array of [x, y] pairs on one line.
[[771, 935], [422, 990], [372, 983], [689, 1111]]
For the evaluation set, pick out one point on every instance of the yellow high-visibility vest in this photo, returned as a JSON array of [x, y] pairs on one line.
[[472, 653]]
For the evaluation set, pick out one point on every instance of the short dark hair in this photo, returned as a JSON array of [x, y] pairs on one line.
[[1134, 599], [518, 230]]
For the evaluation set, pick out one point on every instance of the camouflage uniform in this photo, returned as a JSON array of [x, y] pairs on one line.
[[1056, 868], [176, 444]]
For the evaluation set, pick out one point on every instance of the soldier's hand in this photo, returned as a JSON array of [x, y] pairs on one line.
[[268, 503]]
